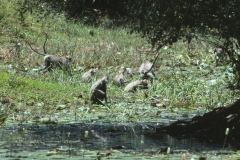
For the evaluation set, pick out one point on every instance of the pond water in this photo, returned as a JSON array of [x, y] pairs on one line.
[[91, 140]]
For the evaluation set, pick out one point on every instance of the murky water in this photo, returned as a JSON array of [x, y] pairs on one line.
[[31, 140]]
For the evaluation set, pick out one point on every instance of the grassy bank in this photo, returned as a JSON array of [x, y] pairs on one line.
[[187, 75], [188, 83]]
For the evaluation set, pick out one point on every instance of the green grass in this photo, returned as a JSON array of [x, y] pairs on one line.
[[187, 76], [27, 88]]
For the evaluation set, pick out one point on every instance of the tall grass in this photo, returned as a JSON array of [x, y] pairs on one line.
[[187, 76]]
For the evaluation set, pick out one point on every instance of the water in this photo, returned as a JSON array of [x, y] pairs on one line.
[[25, 141]]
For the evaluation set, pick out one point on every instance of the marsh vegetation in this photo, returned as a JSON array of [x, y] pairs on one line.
[[52, 111]]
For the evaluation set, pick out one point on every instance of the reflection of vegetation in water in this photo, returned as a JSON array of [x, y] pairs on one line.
[[64, 140]]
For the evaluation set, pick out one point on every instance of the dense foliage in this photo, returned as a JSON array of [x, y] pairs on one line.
[[162, 22], [165, 22], [78, 8]]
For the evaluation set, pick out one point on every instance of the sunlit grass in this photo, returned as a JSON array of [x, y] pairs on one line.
[[187, 76]]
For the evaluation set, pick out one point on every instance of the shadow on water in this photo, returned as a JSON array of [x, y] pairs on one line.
[[73, 138]]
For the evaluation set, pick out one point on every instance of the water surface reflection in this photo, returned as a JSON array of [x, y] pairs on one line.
[[127, 137]]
